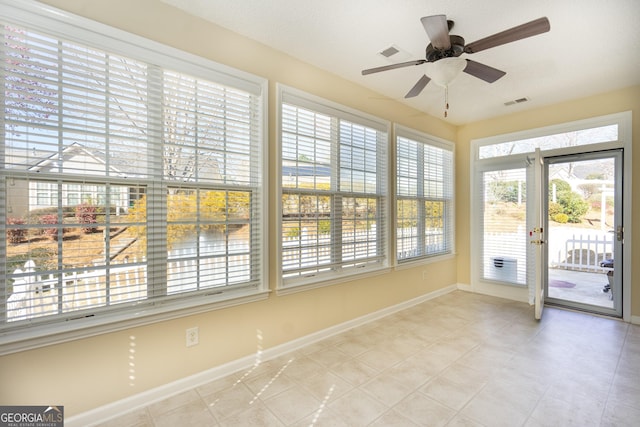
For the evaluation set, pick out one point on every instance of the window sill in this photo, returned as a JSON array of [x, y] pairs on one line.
[[301, 287], [423, 261]]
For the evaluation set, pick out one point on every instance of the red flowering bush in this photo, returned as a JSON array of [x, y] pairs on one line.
[[16, 235], [50, 219], [86, 214]]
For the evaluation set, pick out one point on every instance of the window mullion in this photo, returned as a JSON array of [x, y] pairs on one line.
[[4, 291], [156, 189], [336, 230], [420, 199], [336, 198], [59, 156]]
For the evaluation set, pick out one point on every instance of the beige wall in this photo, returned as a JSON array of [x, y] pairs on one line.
[[614, 102], [88, 373]]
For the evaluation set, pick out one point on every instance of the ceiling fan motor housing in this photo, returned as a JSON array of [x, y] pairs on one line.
[[456, 49]]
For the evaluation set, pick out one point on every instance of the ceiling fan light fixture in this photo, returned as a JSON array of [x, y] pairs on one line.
[[445, 70]]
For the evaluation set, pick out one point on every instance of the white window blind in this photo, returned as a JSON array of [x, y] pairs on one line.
[[504, 247], [334, 195], [124, 183], [424, 196]]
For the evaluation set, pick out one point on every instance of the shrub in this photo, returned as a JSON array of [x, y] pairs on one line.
[[573, 206], [16, 235], [50, 219], [87, 214], [554, 209], [561, 218], [590, 189]]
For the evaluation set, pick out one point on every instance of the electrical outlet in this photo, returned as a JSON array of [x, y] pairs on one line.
[[192, 336]]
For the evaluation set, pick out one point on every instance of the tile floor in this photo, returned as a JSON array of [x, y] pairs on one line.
[[458, 360]]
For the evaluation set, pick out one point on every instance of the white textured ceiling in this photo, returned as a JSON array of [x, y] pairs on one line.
[[593, 46]]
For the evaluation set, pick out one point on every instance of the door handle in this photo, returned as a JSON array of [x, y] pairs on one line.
[[620, 233]]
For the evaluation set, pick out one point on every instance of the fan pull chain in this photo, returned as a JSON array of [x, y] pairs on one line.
[[446, 100]]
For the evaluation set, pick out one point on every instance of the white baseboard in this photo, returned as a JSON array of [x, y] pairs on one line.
[[635, 320], [140, 400], [465, 287], [510, 292]]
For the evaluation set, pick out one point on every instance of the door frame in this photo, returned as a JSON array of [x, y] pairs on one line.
[[623, 121], [616, 155]]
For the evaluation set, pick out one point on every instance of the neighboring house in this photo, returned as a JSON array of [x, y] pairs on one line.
[[30, 195]]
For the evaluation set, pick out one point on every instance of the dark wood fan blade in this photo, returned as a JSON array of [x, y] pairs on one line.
[[484, 72], [523, 31], [437, 29], [417, 88], [393, 66]]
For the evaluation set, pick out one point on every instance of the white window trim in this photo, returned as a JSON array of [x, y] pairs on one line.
[[426, 139], [624, 122], [593, 122], [58, 23], [312, 102]]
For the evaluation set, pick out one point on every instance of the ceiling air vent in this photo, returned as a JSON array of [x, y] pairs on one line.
[[394, 54], [516, 101], [389, 52]]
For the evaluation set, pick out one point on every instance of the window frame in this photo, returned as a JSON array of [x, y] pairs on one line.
[[450, 208], [63, 25], [301, 99]]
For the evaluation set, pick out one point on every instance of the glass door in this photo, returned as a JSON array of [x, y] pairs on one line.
[[584, 231]]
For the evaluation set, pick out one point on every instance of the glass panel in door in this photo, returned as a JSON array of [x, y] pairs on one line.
[[504, 249], [583, 217]]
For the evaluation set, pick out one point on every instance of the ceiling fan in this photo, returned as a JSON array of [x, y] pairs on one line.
[[445, 50]]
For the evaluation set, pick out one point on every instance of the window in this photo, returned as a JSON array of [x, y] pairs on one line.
[[129, 177], [504, 225], [570, 138], [334, 195], [424, 196]]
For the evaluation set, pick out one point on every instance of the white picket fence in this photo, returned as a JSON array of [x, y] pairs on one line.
[[584, 253], [37, 295]]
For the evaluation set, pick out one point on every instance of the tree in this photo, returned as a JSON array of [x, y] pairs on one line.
[[590, 189], [508, 191], [28, 96], [216, 209]]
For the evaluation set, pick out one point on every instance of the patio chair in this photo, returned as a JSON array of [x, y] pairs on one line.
[[608, 264]]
